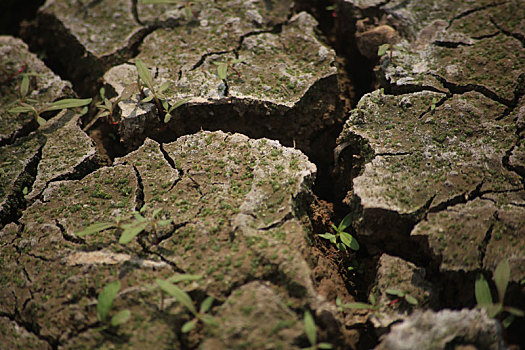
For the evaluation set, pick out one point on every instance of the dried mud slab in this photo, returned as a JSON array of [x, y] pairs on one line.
[[396, 274], [45, 87], [237, 207], [439, 330], [83, 39], [440, 151], [289, 102]]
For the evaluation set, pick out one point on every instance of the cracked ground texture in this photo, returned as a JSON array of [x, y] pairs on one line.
[[431, 166]]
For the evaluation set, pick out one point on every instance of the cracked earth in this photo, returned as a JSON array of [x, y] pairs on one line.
[[423, 146]]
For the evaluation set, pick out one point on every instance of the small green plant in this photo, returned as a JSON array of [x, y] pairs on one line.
[[358, 305], [484, 296], [106, 108], [157, 96], [401, 296], [55, 106], [134, 225], [183, 298], [311, 333], [341, 238], [433, 104], [25, 107], [105, 302], [222, 68]]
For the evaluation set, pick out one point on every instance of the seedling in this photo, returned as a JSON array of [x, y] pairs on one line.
[[160, 100], [382, 49], [222, 68], [433, 104], [107, 107], [183, 298], [311, 333], [484, 297], [341, 238], [25, 107], [55, 106], [358, 305], [131, 229], [105, 301], [401, 296]]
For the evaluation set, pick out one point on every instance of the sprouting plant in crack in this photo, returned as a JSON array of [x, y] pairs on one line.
[[401, 296], [163, 108], [183, 298], [484, 296], [131, 226], [27, 105], [105, 302], [107, 107], [340, 237], [222, 68], [374, 305], [311, 333]]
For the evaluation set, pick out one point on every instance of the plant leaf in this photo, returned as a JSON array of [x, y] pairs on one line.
[[514, 311], [349, 240], [482, 291], [502, 277], [328, 236], [181, 296], [131, 231], [97, 227], [68, 103], [105, 299], [382, 49], [209, 320], [183, 277], [411, 300], [178, 104], [41, 121], [346, 222], [206, 304], [147, 99], [188, 326], [164, 86], [493, 309], [324, 346], [102, 93], [309, 328], [22, 109], [24, 86], [357, 305], [395, 292], [222, 70], [144, 73], [128, 91], [120, 318], [167, 118]]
